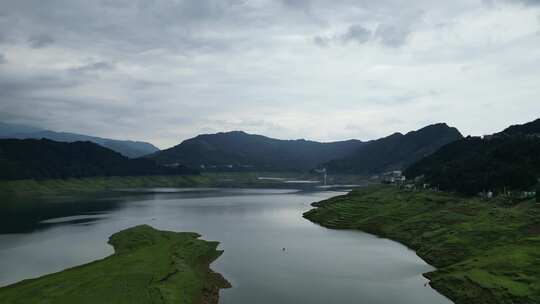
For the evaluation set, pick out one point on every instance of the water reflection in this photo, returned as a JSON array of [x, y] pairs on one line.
[[19, 215]]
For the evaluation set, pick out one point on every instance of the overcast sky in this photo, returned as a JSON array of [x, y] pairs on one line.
[[163, 71]]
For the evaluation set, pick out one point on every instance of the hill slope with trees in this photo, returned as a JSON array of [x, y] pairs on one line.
[[396, 151], [241, 151], [44, 159], [509, 160]]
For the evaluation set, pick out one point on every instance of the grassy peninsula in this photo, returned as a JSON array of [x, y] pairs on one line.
[[148, 266], [485, 251]]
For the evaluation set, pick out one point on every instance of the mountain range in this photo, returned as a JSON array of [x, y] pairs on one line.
[[395, 152], [45, 159], [241, 151], [436, 154], [128, 148]]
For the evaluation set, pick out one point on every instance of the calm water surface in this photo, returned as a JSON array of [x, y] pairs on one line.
[[319, 265]]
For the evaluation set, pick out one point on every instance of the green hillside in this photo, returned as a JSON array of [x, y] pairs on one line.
[[486, 252]]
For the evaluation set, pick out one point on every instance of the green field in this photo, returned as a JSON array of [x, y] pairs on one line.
[[148, 266], [485, 251]]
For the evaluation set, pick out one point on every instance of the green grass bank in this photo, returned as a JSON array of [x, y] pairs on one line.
[[98, 184], [93, 185], [148, 266], [485, 252]]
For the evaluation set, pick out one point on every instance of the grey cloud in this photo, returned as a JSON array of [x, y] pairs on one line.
[[40, 41], [526, 2], [354, 33], [321, 41], [2, 58], [357, 33], [491, 3], [387, 35], [392, 36], [94, 67], [128, 26], [530, 2], [299, 4], [148, 84], [13, 88]]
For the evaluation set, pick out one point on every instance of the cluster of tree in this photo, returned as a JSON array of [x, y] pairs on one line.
[[472, 165], [396, 151], [42, 159]]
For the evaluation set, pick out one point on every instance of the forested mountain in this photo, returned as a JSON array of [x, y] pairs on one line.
[[396, 151], [42, 159], [509, 160], [132, 149], [241, 151]]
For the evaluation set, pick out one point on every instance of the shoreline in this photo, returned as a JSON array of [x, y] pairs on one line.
[[468, 269], [93, 185]]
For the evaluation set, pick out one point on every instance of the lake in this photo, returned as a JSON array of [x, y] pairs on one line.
[[271, 254]]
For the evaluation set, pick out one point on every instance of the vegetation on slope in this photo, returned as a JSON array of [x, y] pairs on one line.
[[508, 160], [486, 252], [44, 159], [396, 151], [473, 165], [148, 266]]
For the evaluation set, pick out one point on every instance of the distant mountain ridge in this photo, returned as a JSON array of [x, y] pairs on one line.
[[45, 159], [395, 152], [530, 128], [508, 160], [238, 150], [131, 149]]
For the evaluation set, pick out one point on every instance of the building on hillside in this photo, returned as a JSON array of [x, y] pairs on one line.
[[486, 194], [393, 177], [324, 174], [527, 194]]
